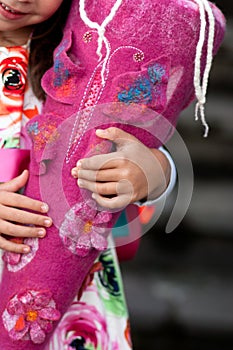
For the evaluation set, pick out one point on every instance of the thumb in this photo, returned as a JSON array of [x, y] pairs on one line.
[[116, 135], [15, 184]]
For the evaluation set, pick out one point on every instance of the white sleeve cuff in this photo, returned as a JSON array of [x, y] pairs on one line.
[[170, 186]]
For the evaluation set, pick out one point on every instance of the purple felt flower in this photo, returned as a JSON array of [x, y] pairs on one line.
[[30, 315], [85, 228]]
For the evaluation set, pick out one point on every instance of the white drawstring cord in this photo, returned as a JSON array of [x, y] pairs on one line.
[[101, 31], [201, 87]]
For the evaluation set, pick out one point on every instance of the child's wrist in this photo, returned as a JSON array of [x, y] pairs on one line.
[[169, 169]]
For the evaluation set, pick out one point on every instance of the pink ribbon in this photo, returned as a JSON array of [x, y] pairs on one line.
[[12, 162]]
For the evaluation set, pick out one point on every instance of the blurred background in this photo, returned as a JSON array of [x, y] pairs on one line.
[[180, 285]]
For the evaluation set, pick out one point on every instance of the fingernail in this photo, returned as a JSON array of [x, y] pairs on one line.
[[45, 208], [26, 249], [79, 163], [80, 183], [41, 233], [101, 131], [74, 172], [93, 196], [47, 222]]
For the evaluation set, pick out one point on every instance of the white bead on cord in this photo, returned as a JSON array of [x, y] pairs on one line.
[[101, 31], [201, 85]]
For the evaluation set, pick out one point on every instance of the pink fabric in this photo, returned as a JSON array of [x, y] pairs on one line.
[[148, 81], [13, 162]]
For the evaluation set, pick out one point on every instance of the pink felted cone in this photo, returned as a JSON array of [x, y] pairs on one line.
[[140, 79]]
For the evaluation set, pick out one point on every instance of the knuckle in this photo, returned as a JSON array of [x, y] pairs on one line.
[[38, 220], [134, 197], [100, 188], [31, 231], [97, 176], [93, 175], [33, 219], [10, 229], [125, 173], [35, 205], [80, 173], [86, 163], [4, 246], [3, 243], [17, 216], [121, 155], [124, 161], [5, 227], [9, 247], [114, 131], [15, 248]]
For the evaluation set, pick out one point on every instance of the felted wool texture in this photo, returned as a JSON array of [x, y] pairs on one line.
[[149, 71], [165, 31]]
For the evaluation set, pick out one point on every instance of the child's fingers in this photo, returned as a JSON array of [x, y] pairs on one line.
[[13, 247], [15, 184], [117, 202], [118, 136], [16, 200], [113, 189], [100, 161], [103, 188], [24, 217], [112, 159], [106, 175], [13, 230]]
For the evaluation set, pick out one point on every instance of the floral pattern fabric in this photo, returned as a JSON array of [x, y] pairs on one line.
[[99, 319], [13, 72]]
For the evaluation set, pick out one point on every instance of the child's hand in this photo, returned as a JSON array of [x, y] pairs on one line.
[[132, 173], [14, 220]]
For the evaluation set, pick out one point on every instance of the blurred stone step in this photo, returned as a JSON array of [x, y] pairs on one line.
[[217, 149], [211, 209], [200, 302]]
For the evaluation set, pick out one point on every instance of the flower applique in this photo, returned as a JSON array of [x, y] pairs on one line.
[[30, 316], [17, 261], [85, 228], [43, 134], [148, 88]]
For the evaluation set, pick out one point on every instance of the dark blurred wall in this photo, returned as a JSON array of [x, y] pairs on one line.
[[226, 6]]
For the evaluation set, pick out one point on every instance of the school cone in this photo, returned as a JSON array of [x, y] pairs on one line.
[[144, 68]]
